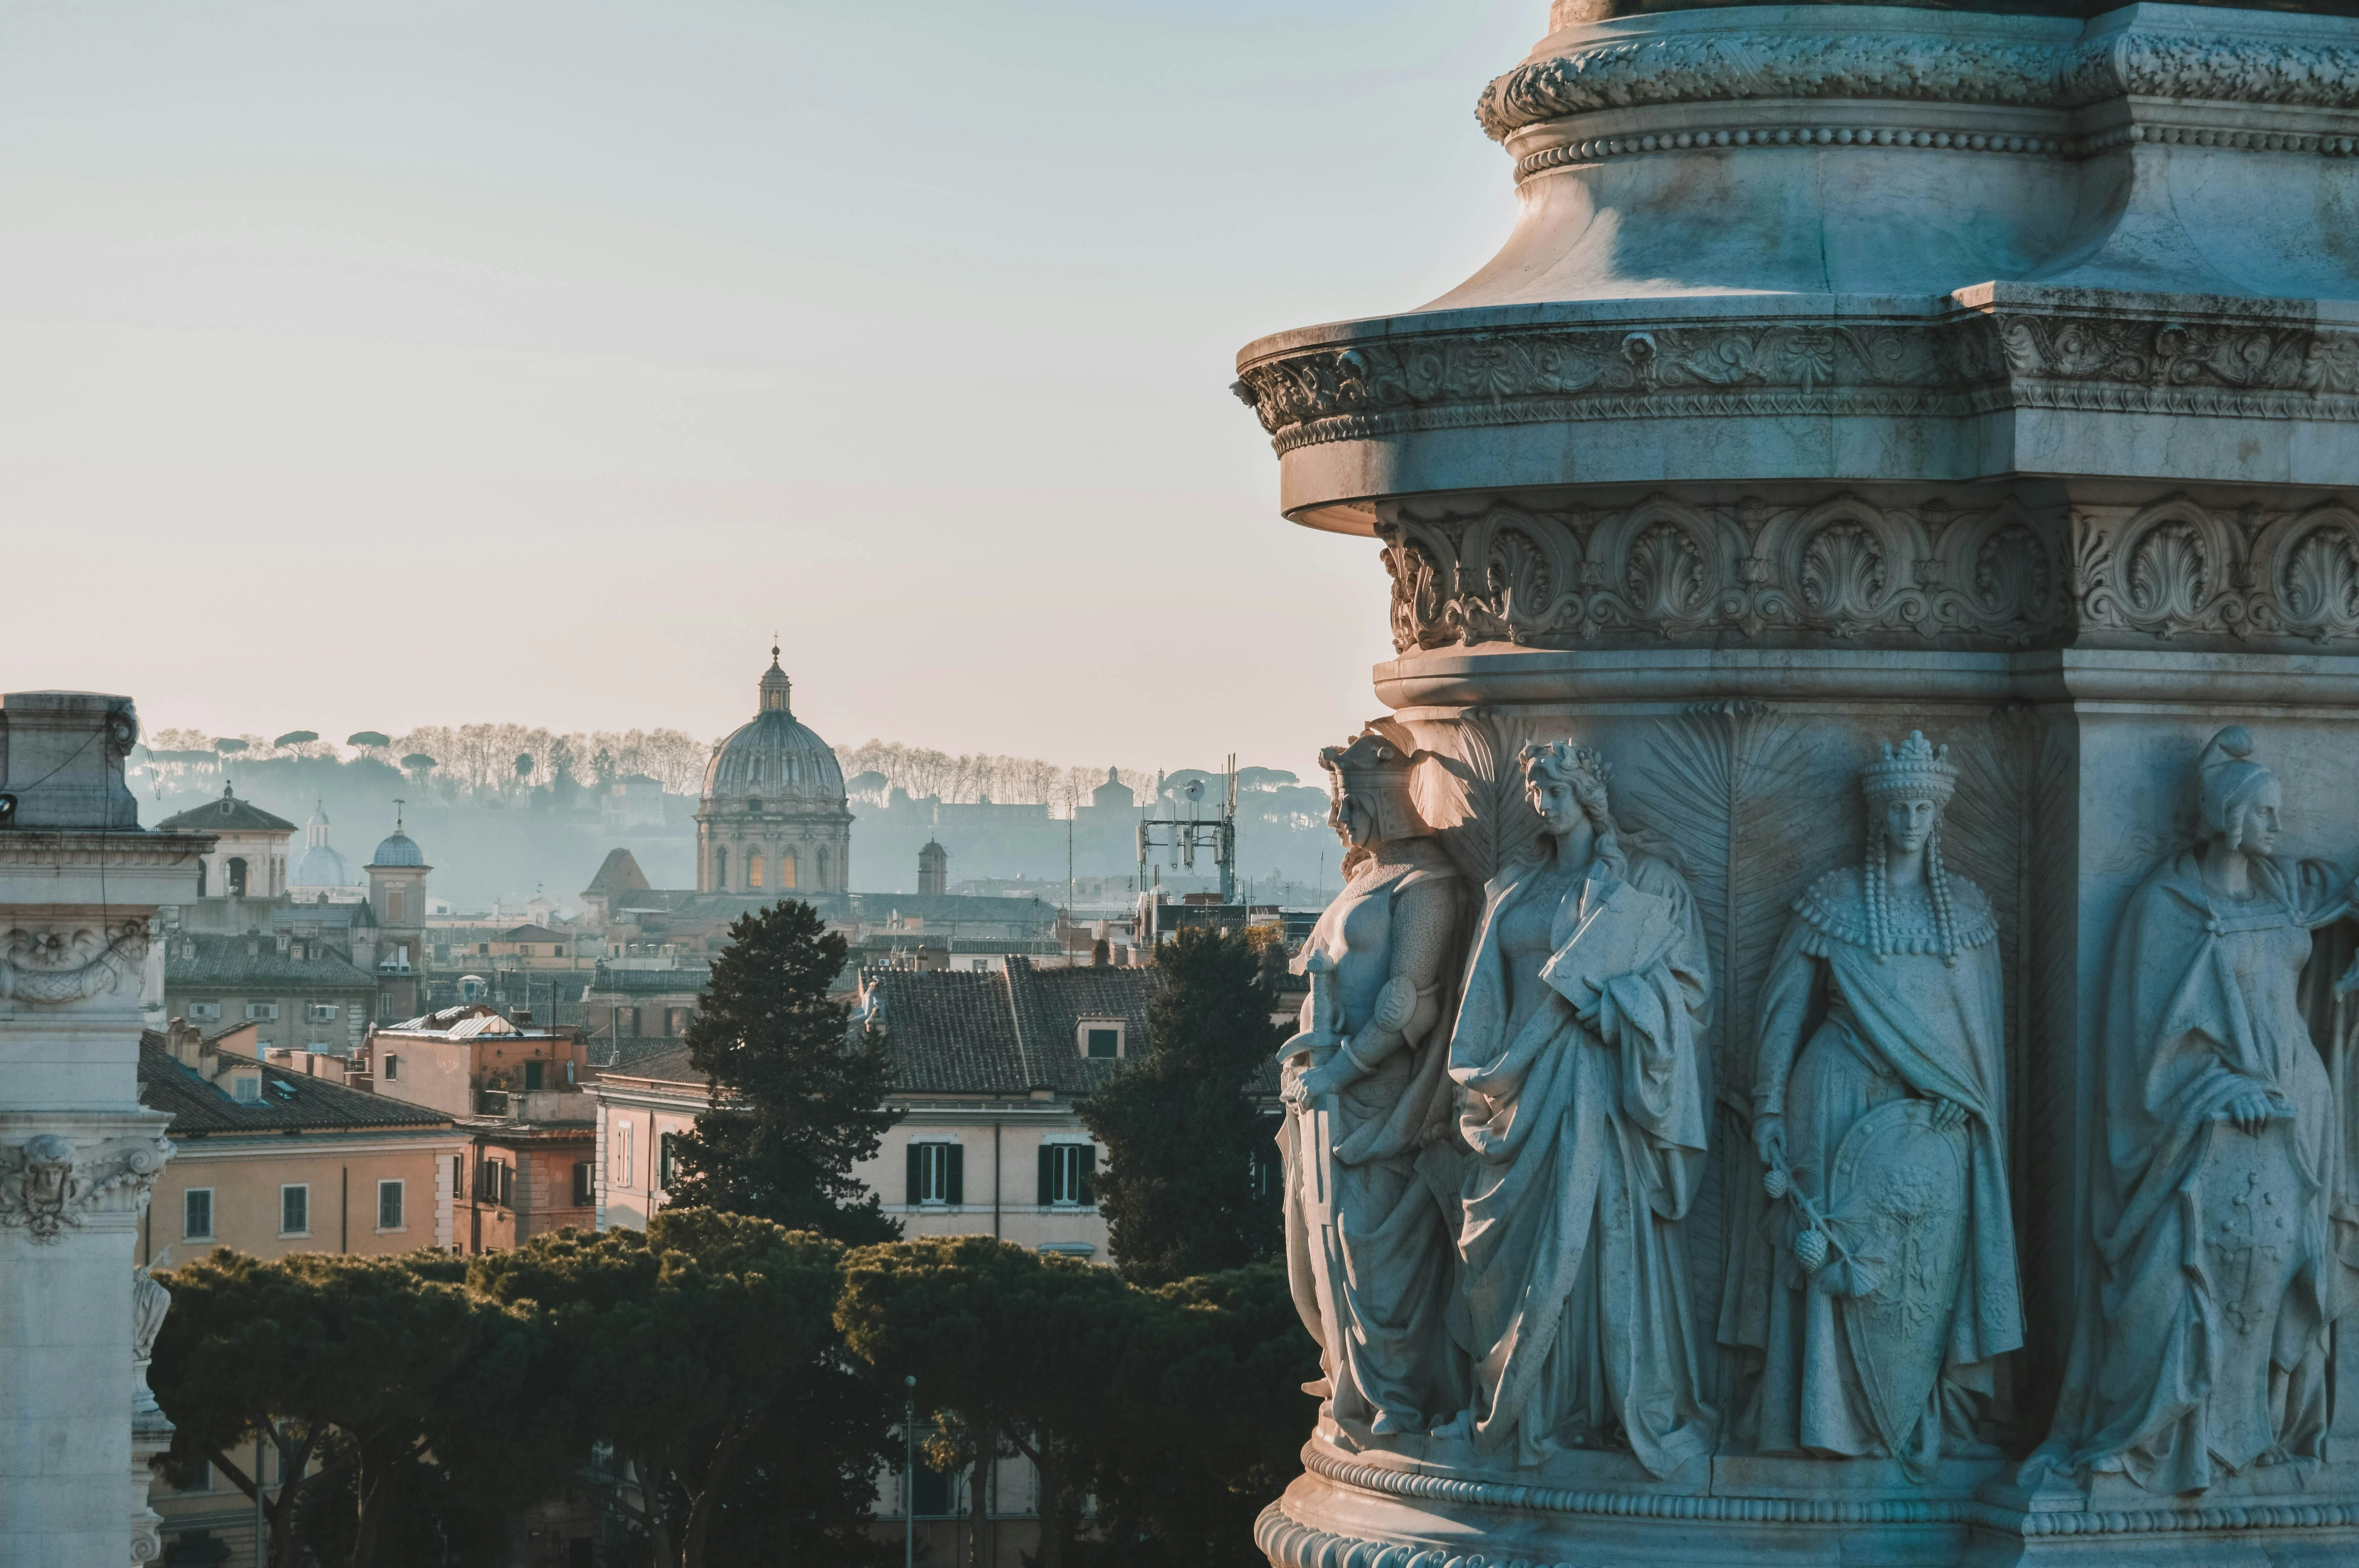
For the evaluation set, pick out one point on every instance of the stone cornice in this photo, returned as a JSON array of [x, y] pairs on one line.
[[1935, 64], [2259, 365]]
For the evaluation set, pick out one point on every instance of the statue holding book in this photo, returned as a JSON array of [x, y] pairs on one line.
[[1371, 1152], [1878, 1119], [1584, 1107]]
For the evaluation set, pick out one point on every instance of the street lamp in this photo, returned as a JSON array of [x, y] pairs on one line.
[[909, 1475]]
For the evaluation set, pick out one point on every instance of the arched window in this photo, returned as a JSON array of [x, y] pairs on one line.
[[720, 869], [200, 879], [236, 871], [752, 871], [393, 905], [822, 870], [787, 868]]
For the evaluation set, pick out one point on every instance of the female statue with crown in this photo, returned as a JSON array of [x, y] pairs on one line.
[[1877, 1114], [1371, 1192], [1583, 1106], [2224, 1243]]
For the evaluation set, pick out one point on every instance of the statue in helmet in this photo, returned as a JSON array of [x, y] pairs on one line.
[[1370, 1150]]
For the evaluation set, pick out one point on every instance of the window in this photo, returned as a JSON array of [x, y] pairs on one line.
[[392, 1066], [1101, 1038], [532, 1071], [557, 951], [720, 868], [676, 1019], [247, 1088], [197, 1215], [626, 1022], [979, 965], [524, 949], [1067, 1174], [236, 870], [787, 868], [583, 1194], [820, 868], [752, 871], [393, 905], [935, 1493], [265, 1010], [937, 1174], [200, 879], [389, 1206], [295, 1211], [666, 1161], [205, 1010], [202, 1479], [625, 1136], [323, 1012]]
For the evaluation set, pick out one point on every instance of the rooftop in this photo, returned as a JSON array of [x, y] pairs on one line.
[[290, 1102], [228, 814], [197, 958]]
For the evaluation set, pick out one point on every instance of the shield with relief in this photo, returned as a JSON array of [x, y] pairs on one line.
[[1899, 1199]]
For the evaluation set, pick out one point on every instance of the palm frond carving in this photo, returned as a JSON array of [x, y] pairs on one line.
[[1474, 791]]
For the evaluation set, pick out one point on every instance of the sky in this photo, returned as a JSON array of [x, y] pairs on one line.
[[372, 363]]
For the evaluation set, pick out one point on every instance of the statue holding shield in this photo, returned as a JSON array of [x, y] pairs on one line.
[[1877, 1116], [1371, 1163]]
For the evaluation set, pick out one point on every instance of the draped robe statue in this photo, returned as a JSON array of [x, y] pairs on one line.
[[1370, 1259], [2224, 1240], [1871, 1001], [1584, 1107]]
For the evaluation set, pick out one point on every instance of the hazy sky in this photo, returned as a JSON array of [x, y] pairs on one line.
[[376, 363]]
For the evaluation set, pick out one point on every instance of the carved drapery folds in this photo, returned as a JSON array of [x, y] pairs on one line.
[[2000, 575]]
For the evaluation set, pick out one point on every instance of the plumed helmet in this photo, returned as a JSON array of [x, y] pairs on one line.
[[2230, 778], [1376, 770]]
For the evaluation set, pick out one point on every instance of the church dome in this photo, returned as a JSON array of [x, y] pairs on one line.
[[321, 866], [774, 760], [399, 849]]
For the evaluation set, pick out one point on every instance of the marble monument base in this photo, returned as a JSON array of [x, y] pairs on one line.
[[1600, 1510]]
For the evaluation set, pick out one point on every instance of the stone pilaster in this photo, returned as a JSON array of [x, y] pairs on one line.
[[79, 884]]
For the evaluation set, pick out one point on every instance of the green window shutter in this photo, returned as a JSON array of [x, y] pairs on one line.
[[957, 1183], [1047, 1175], [917, 1173], [1089, 1174]]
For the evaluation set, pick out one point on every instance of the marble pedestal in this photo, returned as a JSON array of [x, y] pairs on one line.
[[1853, 371]]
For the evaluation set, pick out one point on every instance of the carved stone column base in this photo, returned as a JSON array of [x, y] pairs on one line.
[[1377, 1512]]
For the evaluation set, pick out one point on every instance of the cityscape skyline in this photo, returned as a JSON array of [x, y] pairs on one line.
[[566, 356]]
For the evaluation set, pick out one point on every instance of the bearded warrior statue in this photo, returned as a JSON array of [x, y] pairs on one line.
[[1371, 1158]]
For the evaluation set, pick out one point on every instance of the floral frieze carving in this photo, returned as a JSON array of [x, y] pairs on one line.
[[1968, 363], [56, 968], [2002, 576], [2062, 73], [1667, 569]]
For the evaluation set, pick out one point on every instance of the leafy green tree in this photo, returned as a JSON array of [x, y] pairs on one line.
[[1180, 1125], [1013, 1350], [355, 1369], [682, 1345], [1208, 1421], [796, 1106]]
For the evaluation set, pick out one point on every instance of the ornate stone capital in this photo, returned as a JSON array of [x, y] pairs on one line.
[[50, 1181]]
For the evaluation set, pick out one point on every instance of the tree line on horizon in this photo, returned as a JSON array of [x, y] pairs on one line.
[[727, 1385]]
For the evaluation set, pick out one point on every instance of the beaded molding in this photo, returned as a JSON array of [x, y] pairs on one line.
[[1749, 1510], [1593, 149]]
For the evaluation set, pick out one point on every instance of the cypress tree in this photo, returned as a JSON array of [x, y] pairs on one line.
[[1182, 1132], [796, 1103]]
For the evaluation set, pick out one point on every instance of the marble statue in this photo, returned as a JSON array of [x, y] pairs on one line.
[[1584, 1110], [1370, 1150], [1878, 1114], [2219, 1260]]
